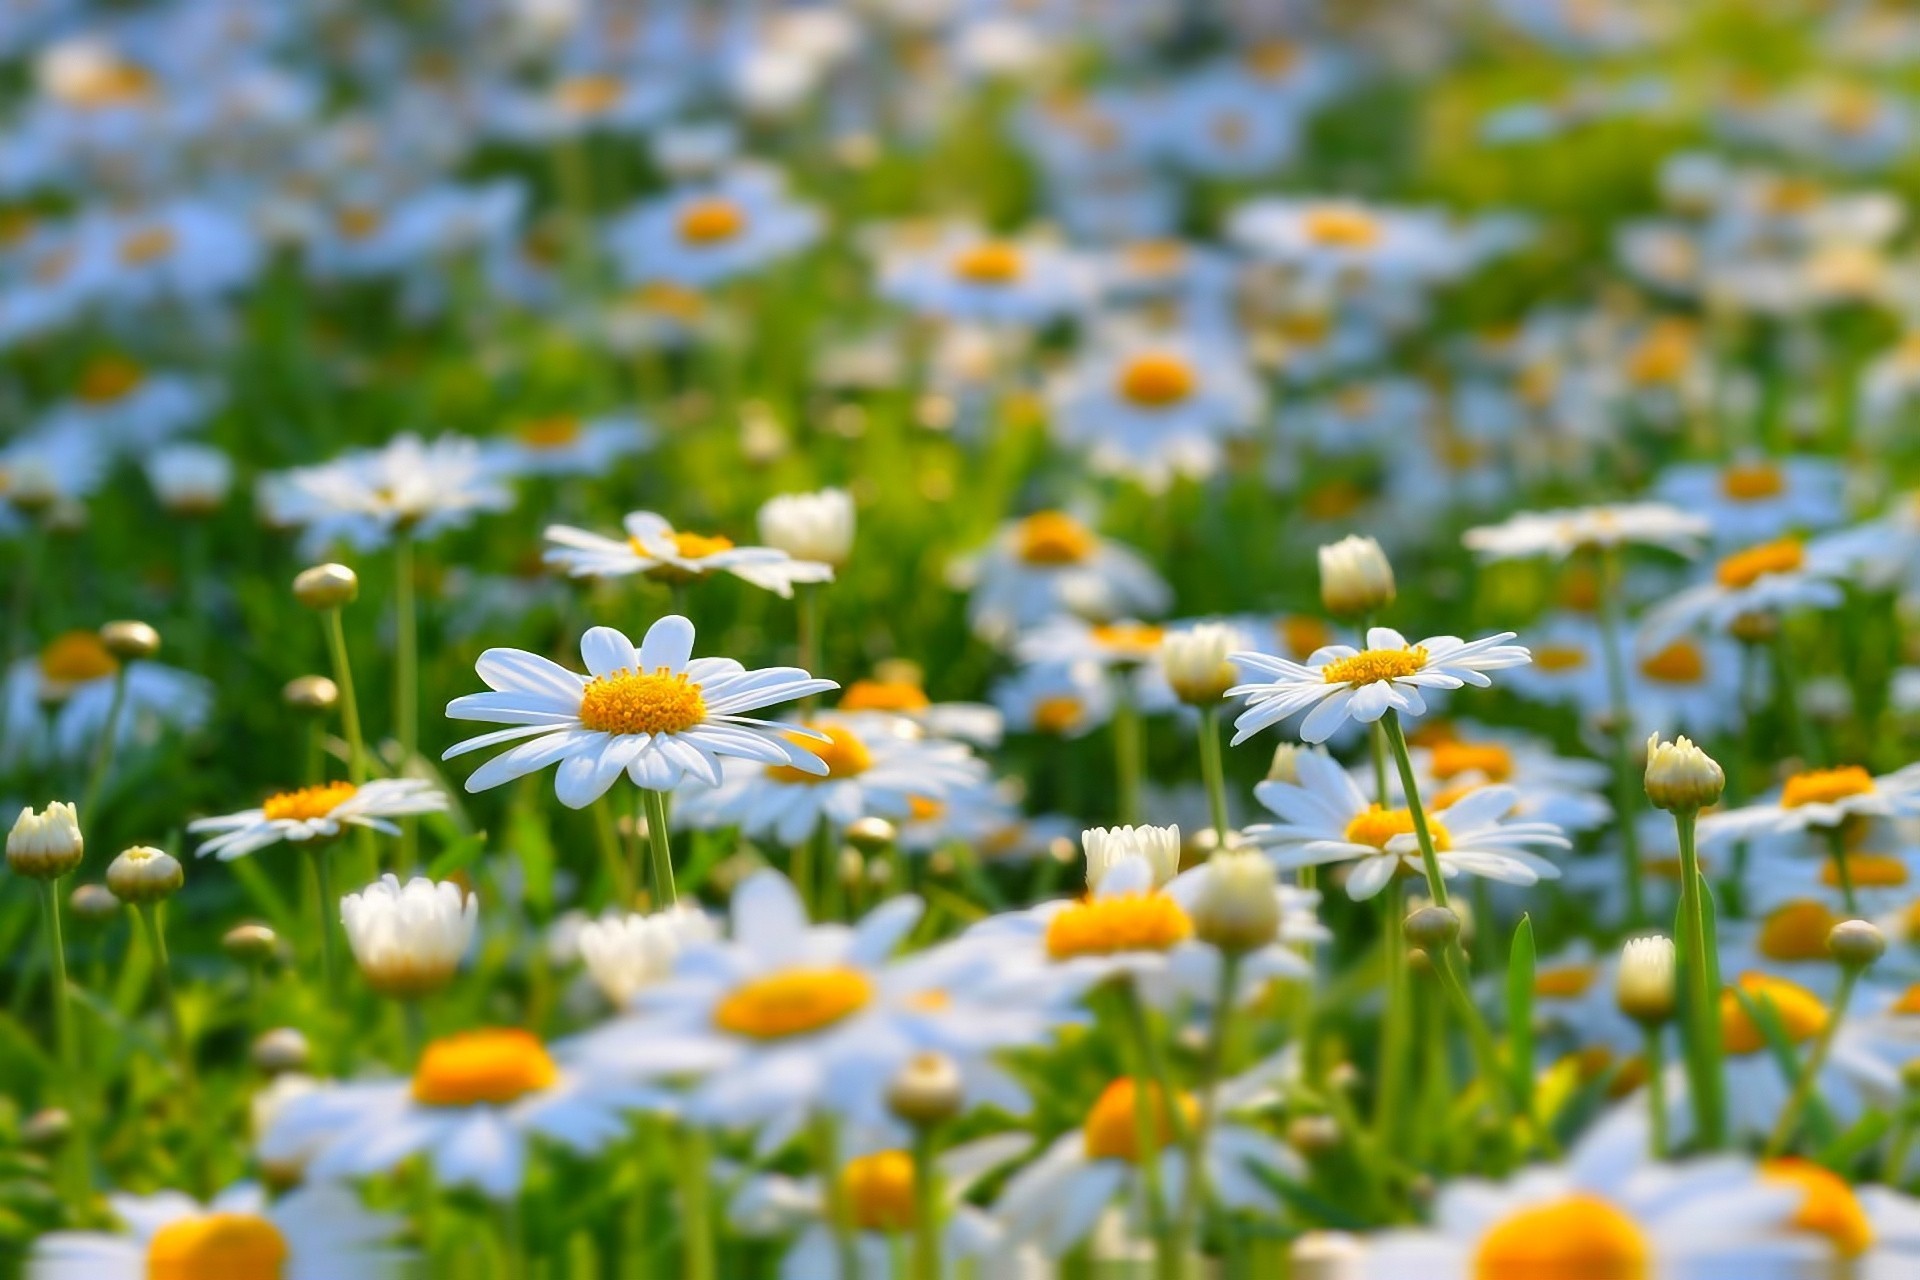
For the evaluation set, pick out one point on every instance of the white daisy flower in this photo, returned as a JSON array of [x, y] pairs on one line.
[[1562, 791], [1059, 700], [1757, 498], [1770, 579], [1325, 818], [129, 407], [1153, 409], [1345, 239], [1821, 799], [899, 692], [566, 445], [704, 234], [1340, 682], [60, 700], [409, 939], [967, 277], [656, 713], [320, 812], [654, 548], [365, 497], [1050, 563], [1561, 533], [626, 953], [1882, 867]]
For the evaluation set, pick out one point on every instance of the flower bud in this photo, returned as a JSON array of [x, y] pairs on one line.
[[1355, 577], [1195, 662], [145, 874], [250, 943], [810, 526], [1314, 1135], [92, 904], [281, 1050], [927, 1091], [1238, 906], [1856, 944], [408, 940], [625, 954], [47, 845], [1286, 763], [315, 694], [1644, 987], [870, 835], [46, 1129], [1681, 777], [1328, 1255], [130, 638], [1910, 1078], [1107, 846], [326, 586], [1432, 927]]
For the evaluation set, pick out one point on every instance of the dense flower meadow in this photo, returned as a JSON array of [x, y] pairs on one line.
[[960, 639]]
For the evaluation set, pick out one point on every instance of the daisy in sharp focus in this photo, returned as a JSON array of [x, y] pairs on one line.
[[1340, 682], [655, 713], [366, 497], [653, 547], [1050, 563], [317, 813]]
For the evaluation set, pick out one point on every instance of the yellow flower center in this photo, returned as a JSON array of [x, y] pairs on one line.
[[1799, 1011], [108, 378], [549, 433], [490, 1067], [793, 1002], [1113, 1126], [993, 262], [1053, 537], [1451, 759], [1752, 482], [120, 85], [1333, 500], [1867, 871], [1909, 1002], [642, 702], [1560, 657], [878, 1191], [1123, 922], [1057, 715], [1138, 640], [1579, 1237], [148, 245], [1371, 666], [1681, 662], [1744, 568], [1568, 982], [1825, 786], [1663, 355], [1272, 59], [1850, 110], [1796, 931], [1301, 635], [1342, 228], [924, 808], [76, 657], [358, 222], [1378, 827], [1830, 1208], [1156, 257], [229, 1246], [588, 95], [711, 221], [843, 752], [884, 695], [307, 803], [1157, 380]]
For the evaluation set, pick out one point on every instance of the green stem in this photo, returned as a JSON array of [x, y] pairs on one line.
[[406, 681], [1397, 739], [325, 907], [1194, 1194], [1656, 1058], [1842, 867], [1129, 756], [658, 841], [636, 1226], [1893, 1167], [1703, 1008], [826, 1159], [1810, 1070], [1486, 1057], [926, 1205], [336, 632], [1213, 770], [1627, 790], [696, 1192], [149, 915], [103, 750], [1393, 1022], [75, 1159]]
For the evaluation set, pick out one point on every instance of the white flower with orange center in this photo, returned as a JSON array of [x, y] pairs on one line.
[[1819, 800], [317, 813], [1156, 409], [896, 689], [476, 1102], [653, 547], [566, 444], [366, 497], [655, 713], [1763, 582], [701, 235], [1756, 498], [1332, 239], [964, 276], [60, 701], [1056, 699], [1561, 533], [1050, 563], [316, 1232], [1341, 683], [1567, 792], [1326, 818]]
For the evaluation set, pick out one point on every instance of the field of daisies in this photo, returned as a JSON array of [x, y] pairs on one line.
[[959, 640]]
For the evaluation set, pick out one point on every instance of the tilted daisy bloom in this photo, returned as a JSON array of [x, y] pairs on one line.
[[1050, 563], [366, 497], [655, 713], [1340, 682], [321, 812], [626, 953], [1153, 408], [130, 408], [1766, 581], [969, 277], [653, 547], [705, 234], [474, 1106], [897, 689], [566, 445], [1563, 532], [1820, 800], [1325, 818], [319, 1232], [1335, 239], [1564, 791], [409, 939], [1058, 699], [1757, 498], [58, 702]]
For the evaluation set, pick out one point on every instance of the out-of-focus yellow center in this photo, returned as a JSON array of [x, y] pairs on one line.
[[1157, 380], [1867, 871], [76, 657], [1681, 662], [1113, 1126], [1378, 827], [924, 808], [1850, 110], [1451, 759], [1058, 714], [119, 84], [1908, 1004], [1662, 356], [843, 752], [884, 695], [1053, 538], [1744, 568], [217, 1246], [107, 379], [1123, 922], [1801, 1014], [1825, 786], [1829, 1209], [793, 1002], [588, 95], [1136, 640], [1333, 499], [993, 262], [629, 702], [1272, 59], [549, 433], [711, 221], [1372, 666], [307, 803], [1566, 982], [147, 245], [1340, 228], [1579, 1237], [490, 1067], [1301, 635], [1752, 482], [1796, 931], [1560, 657], [1156, 257], [878, 1191], [358, 222]]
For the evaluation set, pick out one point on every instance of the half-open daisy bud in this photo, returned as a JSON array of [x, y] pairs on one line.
[[1159, 847], [1645, 986], [145, 874], [810, 526], [1356, 578], [927, 1091], [46, 845], [1196, 663], [408, 940], [1680, 776], [1238, 906]]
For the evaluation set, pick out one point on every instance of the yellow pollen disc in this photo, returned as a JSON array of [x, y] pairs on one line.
[[1370, 666], [76, 657], [119, 85], [1825, 786], [994, 262], [1752, 482], [1830, 1208], [1053, 537], [1113, 1126], [932, 1000], [1568, 982], [1850, 111], [1123, 922], [1342, 228], [641, 702], [1796, 931], [108, 378], [1663, 355], [1580, 1237], [843, 752], [1135, 639], [1451, 759], [146, 246], [587, 95], [1059, 714], [1909, 1001], [698, 546], [1681, 662], [924, 808], [307, 803], [1378, 827], [878, 1191], [488, 1067], [1560, 657], [1447, 798], [1799, 1011], [711, 221], [1301, 635], [1867, 871], [357, 222], [1333, 500], [1272, 59], [1744, 568], [1156, 257], [884, 695], [549, 433], [1157, 380], [229, 1246], [793, 1002]]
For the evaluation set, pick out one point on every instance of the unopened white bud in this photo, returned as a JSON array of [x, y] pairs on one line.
[[1645, 985], [1356, 577], [190, 479], [409, 939], [1286, 763], [1680, 776], [1195, 662], [1238, 906], [145, 874], [810, 526], [625, 954], [1107, 846], [47, 845], [927, 1091]]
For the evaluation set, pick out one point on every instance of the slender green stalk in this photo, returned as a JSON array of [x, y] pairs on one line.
[[621, 874], [336, 632], [75, 1157], [149, 916], [1842, 867], [926, 1204], [1394, 1029], [1213, 769], [1194, 1195], [636, 1226], [1655, 1053], [1810, 1069], [1129, 756], [103, 750], [1626, 779], [1397, 739], [657, 841], [826, 864], [1702, 1004], [1799, 731], [1149, 1088], [325, 908], [1893, 1166], [696, 1173], [406, 681], [826, 1159]]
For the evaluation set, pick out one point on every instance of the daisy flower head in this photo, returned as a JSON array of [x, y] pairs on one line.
[[626, 953], [654, 548], [1563, 532], [1345, 239], [315, 1233], [1325, 818], [1051, 563], [973, 278], [409, 939], [1821, 800], [703, 235], [655, 713], [1754, 498], [1057, 699], [60, 702], [1341, 683], [1762, 581], [566, 445], [367, 497], [317, 813]]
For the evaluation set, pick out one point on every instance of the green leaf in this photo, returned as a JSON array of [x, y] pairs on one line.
[[1520, 979], [1786, 1055], [456, 855]]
